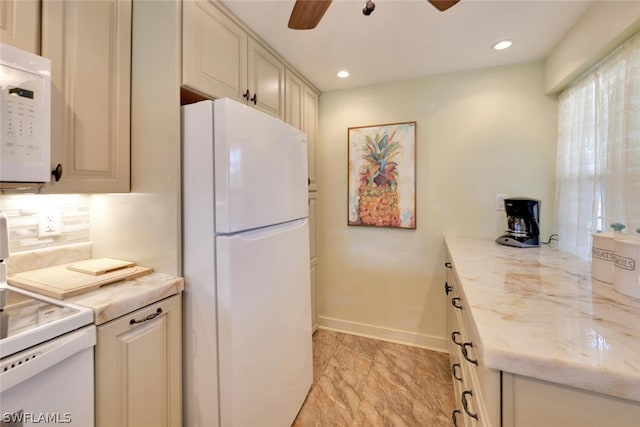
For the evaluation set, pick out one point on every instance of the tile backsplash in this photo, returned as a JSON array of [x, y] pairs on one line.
[[23, 211]]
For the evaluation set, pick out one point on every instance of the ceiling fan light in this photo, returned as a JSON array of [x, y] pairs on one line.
[[501, 45], [342, 74]]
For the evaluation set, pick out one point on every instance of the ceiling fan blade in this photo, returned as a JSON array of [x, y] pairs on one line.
[[306, 14], [443, 5]]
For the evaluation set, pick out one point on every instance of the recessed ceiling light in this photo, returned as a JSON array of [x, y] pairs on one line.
[[343, 74], [504, 44]]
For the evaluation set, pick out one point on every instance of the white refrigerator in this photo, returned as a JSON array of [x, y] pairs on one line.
[[247, 314]]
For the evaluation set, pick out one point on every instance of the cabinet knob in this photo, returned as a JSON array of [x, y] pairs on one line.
[[254, 98], [246, 95], [57, 172], [448, 264]]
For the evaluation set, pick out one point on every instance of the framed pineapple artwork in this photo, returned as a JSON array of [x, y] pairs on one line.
[[382, 175]]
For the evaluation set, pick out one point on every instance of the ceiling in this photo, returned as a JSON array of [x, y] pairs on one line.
[[405, 39]]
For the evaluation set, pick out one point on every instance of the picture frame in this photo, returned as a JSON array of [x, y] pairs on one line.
[[382, 175]]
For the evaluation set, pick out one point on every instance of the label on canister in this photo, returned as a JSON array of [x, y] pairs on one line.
[[602, 257]]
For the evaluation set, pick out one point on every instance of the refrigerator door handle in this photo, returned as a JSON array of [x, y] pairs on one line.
[[261, 233]]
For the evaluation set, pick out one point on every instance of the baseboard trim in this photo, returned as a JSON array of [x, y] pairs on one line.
[[385, 334]]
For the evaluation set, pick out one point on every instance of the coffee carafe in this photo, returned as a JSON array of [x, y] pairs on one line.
[[523, 223]]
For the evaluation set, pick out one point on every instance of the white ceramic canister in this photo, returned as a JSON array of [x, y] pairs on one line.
[[626, 275], [602, 256]]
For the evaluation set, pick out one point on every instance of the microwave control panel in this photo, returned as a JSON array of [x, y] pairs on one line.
[[21, 118], [25, 135]]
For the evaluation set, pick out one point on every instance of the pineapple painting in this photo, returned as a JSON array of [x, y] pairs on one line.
[[382, 175]]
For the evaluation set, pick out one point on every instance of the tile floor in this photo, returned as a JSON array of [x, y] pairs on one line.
[[360, 382]]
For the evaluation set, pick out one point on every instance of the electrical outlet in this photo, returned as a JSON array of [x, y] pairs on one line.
[[500, 201], [49, 223], [47, 315]]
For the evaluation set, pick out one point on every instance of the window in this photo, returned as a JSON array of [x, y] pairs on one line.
[[598, 164]]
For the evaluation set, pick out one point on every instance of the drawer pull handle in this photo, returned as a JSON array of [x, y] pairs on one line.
[[149, 317], [454, 371], [465, 354], [447, 288], [453, 338], [455, 301], [448, 265], [465, 404], [454, 416]]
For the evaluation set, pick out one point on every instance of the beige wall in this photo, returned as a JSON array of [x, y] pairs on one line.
[[478, 133], [144, 225], [603, 27]]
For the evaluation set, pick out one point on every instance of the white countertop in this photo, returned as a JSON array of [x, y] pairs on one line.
[[109, 301], [539, 314], [117, 299]]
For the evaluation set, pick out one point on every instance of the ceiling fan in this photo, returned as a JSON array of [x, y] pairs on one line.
[[306, 14]]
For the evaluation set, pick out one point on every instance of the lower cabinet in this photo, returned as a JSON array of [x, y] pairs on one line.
[[529, 402], [476, 388], [138, 367], [492, 398], [313, 224]]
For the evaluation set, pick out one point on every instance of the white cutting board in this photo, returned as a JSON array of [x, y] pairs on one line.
[[99, 266], [60, 282]]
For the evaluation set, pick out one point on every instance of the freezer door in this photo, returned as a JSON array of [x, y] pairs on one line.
[[264, 325], [260, 169]]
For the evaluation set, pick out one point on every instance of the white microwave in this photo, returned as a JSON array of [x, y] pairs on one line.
[[25, 121]]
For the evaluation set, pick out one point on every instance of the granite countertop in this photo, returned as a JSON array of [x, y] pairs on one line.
[[109, 301], [117, 299], [539, 314]]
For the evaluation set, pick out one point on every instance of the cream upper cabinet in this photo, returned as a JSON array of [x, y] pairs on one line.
[[220, 59], [214, 51], [20, 24], [266, 80], [310, 127], [294, 99], [301, 112], [138, 368], [89, 44]]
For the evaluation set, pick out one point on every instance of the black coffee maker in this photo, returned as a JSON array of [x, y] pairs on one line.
[[523, 223]]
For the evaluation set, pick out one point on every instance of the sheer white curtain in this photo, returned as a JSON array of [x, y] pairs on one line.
[[598, 164]]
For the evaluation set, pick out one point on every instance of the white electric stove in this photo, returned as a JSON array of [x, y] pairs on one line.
[[46, 356]]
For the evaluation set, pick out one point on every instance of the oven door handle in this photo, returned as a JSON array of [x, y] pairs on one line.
[[21, 366]]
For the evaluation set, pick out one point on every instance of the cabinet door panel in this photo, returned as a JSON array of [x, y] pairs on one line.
[[529, 402], [138, 368], [310, 127], [20, 24], [314, 296], [214, 59], [294, 100], [89, 44], [266, 80], [313, 224]]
